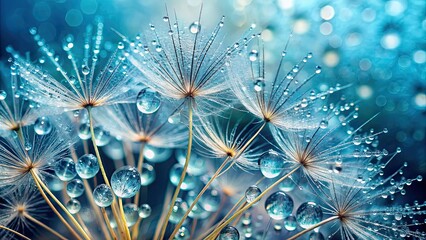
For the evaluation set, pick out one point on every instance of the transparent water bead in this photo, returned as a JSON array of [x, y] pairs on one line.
[[3, 95], [103, 195], [144, 211], [189, 181], [157, 155], [87, 166], [290, 223], [73, 206], [271, 164], [210, 200], [178, 211], [259, 84], [148, 174], [75, 188], [65, 169], [102, 137], [287, 185], [279, 205], [195, 27], [148, 101], [131, 212], [252, 193], [42, 126], [253, 55], [197, 164], [84, 131], [182, 234], [308, 214], [229, 233], [126, 182]]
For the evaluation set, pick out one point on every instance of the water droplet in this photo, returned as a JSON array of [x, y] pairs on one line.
[[84, 131], [253, 55], [65, 169], [131, 212], [73, 206], [195, 27], [166, 19], [229, 233], [324, 124], [3, 94], [42, 126], [182, 234], [75, 188], [87, 166], [287, 185], [102, 137], [308, 214], [252, 193], [148, 174], [85, 70], [279, 205], [317, 69], [178, 211], [28, 145], [259, 85], [126, 182], [103, 195], [188, 183], [144, 211], [148, 101], [271, 164], [357, 140], [290, 223]]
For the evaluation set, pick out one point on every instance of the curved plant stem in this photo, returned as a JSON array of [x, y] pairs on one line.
[[193, 227], [167, 196], [14, 232], [120, 203], [313, 227], [198, 197], [135, 229], [217, 230], [108, 223], [182, 176], [29, 217], [40, 184], [140, 163]]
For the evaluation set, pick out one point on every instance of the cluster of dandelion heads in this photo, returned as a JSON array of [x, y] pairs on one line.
[[31, 151], [186, 62], [126, 122], [20, 207], [72, 81], [285, 98]]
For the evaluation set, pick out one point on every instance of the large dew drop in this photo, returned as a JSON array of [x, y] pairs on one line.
[[189, 181], [131, 212], [148, 101], [65, 169], [103, 195], [126, 182], [42, 126], [279, 205], [308, 214], [252, 193], [229, 233], [87, 166], [75, 188], [271, 164], [195, 27]]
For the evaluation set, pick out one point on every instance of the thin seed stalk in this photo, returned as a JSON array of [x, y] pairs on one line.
[[120, 203], [29, 217], [313, 227], [182, 177], [217, 230], [108, 223], [15, 232], [198, 197], [40, 183], [140, 163]]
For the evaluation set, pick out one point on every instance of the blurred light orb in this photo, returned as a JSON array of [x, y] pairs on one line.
[[301, 26], [74, 18], [327, 12], [331, 58], [390, 40], [364, 91], [420, 100], [326, 28], [419, 56], [286, 4], [394, 7]]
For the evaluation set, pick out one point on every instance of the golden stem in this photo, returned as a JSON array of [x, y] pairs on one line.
[[313, 227], [140, 163], [167, 196], [44, 226], [73, 220], [108, 223], [123, 218], [182, 176], [193, 227], [43, 194], [217, 230], [199, 196], [15, 232], [135, 229]]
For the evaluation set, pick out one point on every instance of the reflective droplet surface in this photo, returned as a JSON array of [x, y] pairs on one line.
[[182, 234], [126, 182], [84, 131], [290, 223], [197, 163], [3, 95], [131, 212], [65, 169], [148, 174], [42, 126], [148, 101], [195, 27], [73, 206], [287, 185], [87, 166], [279, 205], [259, 85], [229, 233], [210, 200], [308, 214], [102, 137], [271, 164], [157, 155], [103, 195], [252, 193], [253, 55], [189, 181], [144, 211], [178, 211], [75, 188]]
